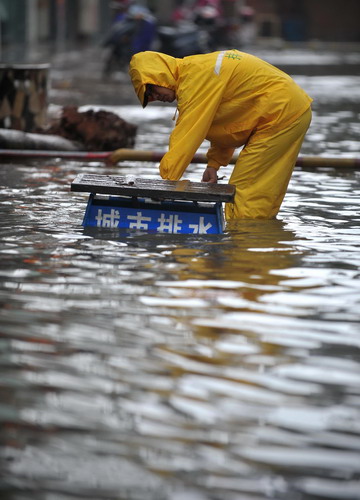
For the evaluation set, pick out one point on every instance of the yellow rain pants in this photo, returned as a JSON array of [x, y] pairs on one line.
[[263, 170]]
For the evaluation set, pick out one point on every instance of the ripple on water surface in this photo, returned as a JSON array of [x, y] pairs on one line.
[[171, 367]]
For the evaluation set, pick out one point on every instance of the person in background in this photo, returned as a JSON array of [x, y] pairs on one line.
[[146, 28], [119, 8], [133, 30], [232, 99]]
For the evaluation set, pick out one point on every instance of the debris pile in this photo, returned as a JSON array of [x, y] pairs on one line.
[[96, 130]]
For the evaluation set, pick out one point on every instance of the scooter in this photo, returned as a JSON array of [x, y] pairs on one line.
[[183, 41], [207, 18]]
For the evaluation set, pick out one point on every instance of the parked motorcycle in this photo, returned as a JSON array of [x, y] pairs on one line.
[[136, 31], [208, 18], [182, 41], [195, 31]]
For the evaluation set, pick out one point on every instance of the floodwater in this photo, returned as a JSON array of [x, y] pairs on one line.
[[184, 367]]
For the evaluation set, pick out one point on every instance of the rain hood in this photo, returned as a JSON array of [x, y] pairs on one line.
[[153, 68]]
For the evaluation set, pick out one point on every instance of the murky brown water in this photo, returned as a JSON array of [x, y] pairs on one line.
[[184, 367]]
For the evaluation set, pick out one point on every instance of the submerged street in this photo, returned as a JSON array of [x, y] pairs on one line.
[[170, 367]]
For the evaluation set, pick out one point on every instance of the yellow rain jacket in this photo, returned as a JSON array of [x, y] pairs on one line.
[[224, 97]]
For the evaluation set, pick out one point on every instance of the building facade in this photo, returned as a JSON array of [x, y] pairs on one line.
[[26, 24]]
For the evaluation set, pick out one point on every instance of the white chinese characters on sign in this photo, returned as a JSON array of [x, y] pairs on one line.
[[200, 228], [140, 221], [161, 222], [111, 219], [170, 224]]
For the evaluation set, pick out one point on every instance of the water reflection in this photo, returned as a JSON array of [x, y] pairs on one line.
[[147, 366]]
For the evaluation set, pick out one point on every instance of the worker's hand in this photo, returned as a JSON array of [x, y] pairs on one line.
[[210, 175]]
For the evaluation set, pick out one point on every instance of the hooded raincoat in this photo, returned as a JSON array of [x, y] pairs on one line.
[[232, 99]]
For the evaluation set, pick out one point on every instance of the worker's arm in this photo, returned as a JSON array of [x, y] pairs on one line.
[[218, 157], [197, 107]]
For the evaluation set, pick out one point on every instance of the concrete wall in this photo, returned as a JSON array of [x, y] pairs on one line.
[[331, 20]]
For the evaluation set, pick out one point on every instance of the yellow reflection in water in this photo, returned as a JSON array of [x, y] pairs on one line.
[[231, 275], [247, 253]]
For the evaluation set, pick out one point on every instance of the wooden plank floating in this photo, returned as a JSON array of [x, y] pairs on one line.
[[26, 144], [152, 188], [44, 153], [155, 206]]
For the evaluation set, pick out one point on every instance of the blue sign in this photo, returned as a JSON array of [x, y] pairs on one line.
[[175, 217]]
